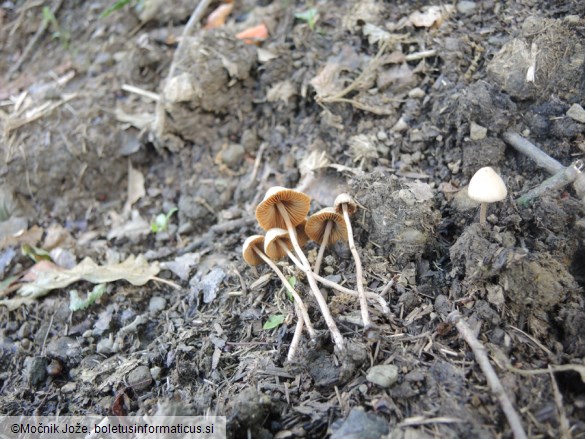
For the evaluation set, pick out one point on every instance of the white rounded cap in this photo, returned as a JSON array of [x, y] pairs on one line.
[[486, 186]]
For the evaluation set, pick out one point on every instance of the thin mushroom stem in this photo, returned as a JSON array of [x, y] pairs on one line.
[[335, 333], [493, 381], [288, 286], [358, 269], [483, 213], [324, 241], [329, 283], [294, 344]]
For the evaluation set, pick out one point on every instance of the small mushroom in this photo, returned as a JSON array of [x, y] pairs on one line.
[[253, 255], [325, 227], [486, 186], [344, 204], [277, 245], [286, 208]]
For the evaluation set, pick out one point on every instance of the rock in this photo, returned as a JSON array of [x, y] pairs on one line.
[[157, 304], [233, 155], [140, 378], [360, 424], [477, 132], [105, 346], [65, 349], [383, 375], [35, 370], [576, 112], [69, 388], [155, 372], [466, 7]]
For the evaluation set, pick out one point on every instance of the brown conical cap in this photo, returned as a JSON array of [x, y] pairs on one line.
[[297, 205], [345, 199], [272, 248], [317, 223], [248, 252]]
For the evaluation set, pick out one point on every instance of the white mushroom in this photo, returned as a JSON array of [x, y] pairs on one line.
[[486, 186]]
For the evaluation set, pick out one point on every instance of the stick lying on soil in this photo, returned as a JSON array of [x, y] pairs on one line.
[[493, 381], [543, 160]]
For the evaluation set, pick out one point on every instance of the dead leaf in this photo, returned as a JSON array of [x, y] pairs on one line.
[[45, 276], [433, 16], [265, 55], [137, 226], [326, 83], [282, 90], [253, 35], [218, 17], [30, 237], [57, 236], [135, 187]]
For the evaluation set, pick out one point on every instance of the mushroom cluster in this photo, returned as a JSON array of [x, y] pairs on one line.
[[283, 215]]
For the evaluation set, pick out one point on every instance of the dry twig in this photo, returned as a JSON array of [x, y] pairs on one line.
[[493, 381]]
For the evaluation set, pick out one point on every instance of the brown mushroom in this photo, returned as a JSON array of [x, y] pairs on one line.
[[325, 227], [277, 245], [344, 204], [289, 207], [254, 255]]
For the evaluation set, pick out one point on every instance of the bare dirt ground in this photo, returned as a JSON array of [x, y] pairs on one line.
[[107, 124]]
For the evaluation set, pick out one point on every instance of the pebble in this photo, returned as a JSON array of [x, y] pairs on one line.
[[233, 155], [360, 424], [381, 135], [383, 375], [140, 378], [105, 346], [68, 388], [477, 132], [155, 372], [466, 7], [64, 348], [35, 370], [157, 304], [576, 112]]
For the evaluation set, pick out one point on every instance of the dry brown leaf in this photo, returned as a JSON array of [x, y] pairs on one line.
[[135, 187], [433, 16], [218, 17], [282, 90], [45, 276], [31, 237]]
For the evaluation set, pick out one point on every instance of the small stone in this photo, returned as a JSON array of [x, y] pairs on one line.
[[140, 378], [466, 7], [157, 304], [576, 112], [381, 135], [233, 155], [54, 368], [360, 424], [105, 346], [155, 372], [69, 388], [35, 370], [65, 349], [416, 93], [477, 132], [383, 375]]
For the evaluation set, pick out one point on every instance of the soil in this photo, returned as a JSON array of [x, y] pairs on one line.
[[399, 111]]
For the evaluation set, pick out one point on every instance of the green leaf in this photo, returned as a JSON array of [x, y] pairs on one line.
[[292, 281], [118, 5], [35, 253], [76, 303], [273, 321], [309, 16], [161, 222]]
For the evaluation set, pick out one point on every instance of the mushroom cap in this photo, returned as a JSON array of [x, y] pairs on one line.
[[345, 199], [250, 256], [317, 223], [296, 203], [271, 243], [302, 236], [486, 186]]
